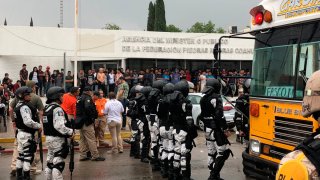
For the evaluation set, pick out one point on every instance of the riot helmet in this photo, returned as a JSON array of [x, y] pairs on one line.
[[54, 93], [132, 92], [146, 90], [168, 88], [138, 88], [183, 87], [212, 86], [22, 92], [158, 84], [246, 86], [311, 99]]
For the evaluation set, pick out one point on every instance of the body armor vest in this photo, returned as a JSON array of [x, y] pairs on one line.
[[178, 115], [48, 128], [19, 120], [163, 112]]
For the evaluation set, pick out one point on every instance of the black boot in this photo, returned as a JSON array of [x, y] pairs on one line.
[[214, 176], [156, 165], [26, 175], [19, 174], [176, 174], [186, 175], [164, 168], [170, 170]]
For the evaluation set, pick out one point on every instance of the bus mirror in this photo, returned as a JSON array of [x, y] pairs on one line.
[[216, 51]]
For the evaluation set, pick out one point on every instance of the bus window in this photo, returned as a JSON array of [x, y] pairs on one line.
[[274, 71], [309, 63]]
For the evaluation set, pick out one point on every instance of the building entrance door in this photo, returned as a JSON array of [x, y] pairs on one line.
[[107, 65]]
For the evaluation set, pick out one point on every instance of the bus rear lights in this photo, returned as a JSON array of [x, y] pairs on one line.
[[254, 109], [267, 16], [258, 19]]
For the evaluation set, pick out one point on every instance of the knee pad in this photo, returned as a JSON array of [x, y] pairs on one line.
[[59, 166], [50, 165]]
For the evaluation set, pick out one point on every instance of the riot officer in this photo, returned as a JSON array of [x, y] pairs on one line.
[[55, 122], [142, 122], [216, 129], [153, 102], [184, 130], [242, 103], [166, 128], [133, 114], [27, 125]]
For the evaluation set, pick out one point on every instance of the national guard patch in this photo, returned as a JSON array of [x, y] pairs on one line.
[[60, 113]]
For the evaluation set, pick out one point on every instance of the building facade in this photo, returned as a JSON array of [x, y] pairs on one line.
[[94, 48]]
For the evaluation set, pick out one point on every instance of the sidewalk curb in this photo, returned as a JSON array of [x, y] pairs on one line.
[[76, 148], [107, 136]]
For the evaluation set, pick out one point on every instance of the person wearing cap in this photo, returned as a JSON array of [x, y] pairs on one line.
[[27, 124], [37, 103], [122, 94], [24, 75], [101, 122], [86, 111]]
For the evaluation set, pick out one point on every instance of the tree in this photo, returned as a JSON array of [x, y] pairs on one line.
[[173, 28], [209, 27], [220, 30], [151, 17], [160, 17], [111, 27]]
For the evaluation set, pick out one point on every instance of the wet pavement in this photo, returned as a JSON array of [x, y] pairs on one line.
[[122, 167]]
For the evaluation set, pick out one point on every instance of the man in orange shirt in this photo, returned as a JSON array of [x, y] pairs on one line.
[[101, 122], [69, 104], [70, 101]]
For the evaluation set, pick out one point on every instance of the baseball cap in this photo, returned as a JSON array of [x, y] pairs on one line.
[[30, 84], [24, 65]]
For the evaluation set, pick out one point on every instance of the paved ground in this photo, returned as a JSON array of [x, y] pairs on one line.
[[121, 166]]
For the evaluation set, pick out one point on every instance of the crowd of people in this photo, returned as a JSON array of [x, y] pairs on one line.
[[87, 103], [108, 79]]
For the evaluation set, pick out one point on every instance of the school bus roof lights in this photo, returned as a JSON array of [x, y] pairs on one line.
[[260, 15]]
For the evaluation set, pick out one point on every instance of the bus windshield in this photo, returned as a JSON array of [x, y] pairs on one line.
[[278, 73]]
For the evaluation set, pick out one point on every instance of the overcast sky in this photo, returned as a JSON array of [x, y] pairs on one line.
[[128, 14]]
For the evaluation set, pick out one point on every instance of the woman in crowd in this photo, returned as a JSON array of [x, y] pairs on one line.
[[113, 110], [34, 76], [111, 81]]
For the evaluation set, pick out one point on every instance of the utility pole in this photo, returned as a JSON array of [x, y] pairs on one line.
[[61, 14]]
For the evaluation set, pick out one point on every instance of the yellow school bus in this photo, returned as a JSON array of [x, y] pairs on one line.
[[286, 53]]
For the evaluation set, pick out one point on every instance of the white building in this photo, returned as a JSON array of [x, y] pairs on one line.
[[46, 46]]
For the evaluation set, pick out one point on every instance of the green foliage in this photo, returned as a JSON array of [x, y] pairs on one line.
[[160, 17], [209, 27], [220, 30], [151, 17], [111, 27], [173, 28]]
